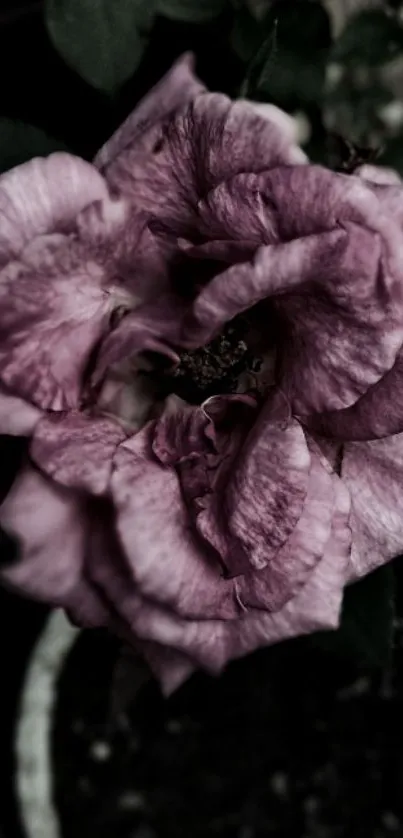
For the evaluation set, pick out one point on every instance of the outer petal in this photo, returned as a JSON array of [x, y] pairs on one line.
[[212, 644], [77, 450], [168, 182], [170, 667], [178, 87], [378, 413], [373, 472], [54, 310], [257, 496], [17, 417], [246, 485], [48, 524], [44, 195], [381, 175]]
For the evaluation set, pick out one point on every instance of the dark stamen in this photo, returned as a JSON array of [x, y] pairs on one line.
[[215, 368]]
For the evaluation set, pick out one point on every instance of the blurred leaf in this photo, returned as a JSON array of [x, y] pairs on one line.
[[292, 63], [246, 34], [366, 630], [371, 37], [191, 11], [393, 153], [353, 107], [103, 40], [263, 59], [20, 142]]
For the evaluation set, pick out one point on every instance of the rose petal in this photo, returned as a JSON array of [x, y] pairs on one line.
[[173, 567], [170, 667], [48, 523], [367, 418], [338, 297], [138, 331], [382, 175], [178, 87], [169, 182], [373, 472], [44, 195], [17, 417], [213, 643], [291, 566], [77, 450], [54, 310], [255, 504]]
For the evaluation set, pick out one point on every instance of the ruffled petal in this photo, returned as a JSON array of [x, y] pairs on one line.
[[253, 505], [213, 643], [289, 569], [77, 450], [54, 311], [44, 195], [368, 418], [173, 567], [138, 331], [49, 526], [337, 295], [212, 140], [178, 87], [373, 472]]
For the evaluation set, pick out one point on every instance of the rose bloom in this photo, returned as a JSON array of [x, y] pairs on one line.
[[201, 341]]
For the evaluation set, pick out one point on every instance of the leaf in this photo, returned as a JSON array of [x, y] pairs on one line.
[[366, 630], [246, 34], [393, 153], [103, 40], [263, 59], [191, 11], [371, 37], [20, 142], [292, 73]]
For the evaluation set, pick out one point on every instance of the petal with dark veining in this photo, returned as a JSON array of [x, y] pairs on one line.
[[373, 472], [54, 310], [42, 196], [77, 450]]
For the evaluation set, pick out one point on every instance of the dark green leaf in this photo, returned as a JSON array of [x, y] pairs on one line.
[[19, 142], [293, 54], [393, 153], [103, 40], [365, 634], [371, 37], [245, 35], [191, 11]]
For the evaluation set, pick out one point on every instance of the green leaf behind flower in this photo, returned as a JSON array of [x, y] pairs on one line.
[[191, 11], [371, 37], [293, 73], [20, 142], [103, 40]]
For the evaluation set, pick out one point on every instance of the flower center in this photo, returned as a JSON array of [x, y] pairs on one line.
[[225, 365]]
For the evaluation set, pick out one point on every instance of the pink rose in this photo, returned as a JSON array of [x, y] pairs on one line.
[[197, 338]]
